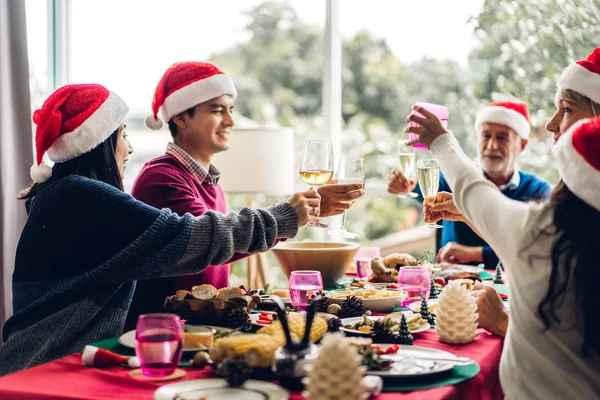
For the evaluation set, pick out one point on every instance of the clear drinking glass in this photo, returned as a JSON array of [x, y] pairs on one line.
[[158, 343], [440, 111], [416, 281], [349, 170], [362, 260], [316, 168], [428, 172], [303, 285], [408, 161]]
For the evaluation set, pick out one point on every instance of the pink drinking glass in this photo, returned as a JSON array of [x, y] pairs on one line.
[[440, 111], [303, 285], [416, 281], [158, 343], [362, 260]]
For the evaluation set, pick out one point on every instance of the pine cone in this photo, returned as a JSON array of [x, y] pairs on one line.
[[239, 319], [235, 370], [334, 324], [353, 307], [382, 333], [323, 303]]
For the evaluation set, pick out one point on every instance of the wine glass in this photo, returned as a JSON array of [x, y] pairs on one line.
[[303, 285], [407, 155], [416, 281], [349, 170], [316, 168], [428, 172], [158, 343]]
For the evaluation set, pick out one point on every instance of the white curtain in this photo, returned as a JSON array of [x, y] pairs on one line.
[[16, 154]]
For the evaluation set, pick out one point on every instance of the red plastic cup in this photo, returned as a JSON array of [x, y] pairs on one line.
[[440, 111]]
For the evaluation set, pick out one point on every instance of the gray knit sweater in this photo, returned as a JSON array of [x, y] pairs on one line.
[[85, 244]]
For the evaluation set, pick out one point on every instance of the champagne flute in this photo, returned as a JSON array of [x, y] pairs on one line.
[[407, 163], [429, 182], [316, 168], [349, 170]]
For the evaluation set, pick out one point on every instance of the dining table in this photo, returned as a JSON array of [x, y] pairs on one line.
[[67, 377]]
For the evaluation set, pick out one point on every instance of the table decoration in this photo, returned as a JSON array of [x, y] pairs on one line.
[[456, 319]]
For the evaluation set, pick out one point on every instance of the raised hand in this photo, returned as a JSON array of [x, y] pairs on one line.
[[430, 127], [337, 197], [305, 204], [399, 183], [440, 207]]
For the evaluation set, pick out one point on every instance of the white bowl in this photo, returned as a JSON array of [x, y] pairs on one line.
[[385, 304]]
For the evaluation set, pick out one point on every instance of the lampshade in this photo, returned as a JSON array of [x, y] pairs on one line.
[[258, 160]]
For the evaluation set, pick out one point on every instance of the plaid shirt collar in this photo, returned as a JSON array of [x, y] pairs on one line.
[[210, 177]]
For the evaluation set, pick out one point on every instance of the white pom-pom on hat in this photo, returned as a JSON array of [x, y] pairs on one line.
[[154, 123], [40, 173]]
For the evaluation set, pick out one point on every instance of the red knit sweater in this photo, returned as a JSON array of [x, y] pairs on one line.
[[165, 183]]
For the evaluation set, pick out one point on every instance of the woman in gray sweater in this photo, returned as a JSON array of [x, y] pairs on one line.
[[86, 242]]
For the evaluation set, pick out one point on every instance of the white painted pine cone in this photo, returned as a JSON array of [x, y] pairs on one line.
[[456, 319], [336, 373]]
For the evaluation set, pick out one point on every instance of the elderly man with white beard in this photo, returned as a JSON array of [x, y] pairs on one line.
[[503, 130]]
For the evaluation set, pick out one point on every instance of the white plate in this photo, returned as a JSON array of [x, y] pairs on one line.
[[254, 317], [416, 306], [345, 321], [128, 338], [213, 389], [460, 267], [408, 367], [385, 304]]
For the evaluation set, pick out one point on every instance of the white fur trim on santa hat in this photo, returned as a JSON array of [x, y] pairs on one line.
[[87, 357], [153, 123], [581, 80], [93, 131], [580, 177], [503, 116], [40, 173], [196, 93]]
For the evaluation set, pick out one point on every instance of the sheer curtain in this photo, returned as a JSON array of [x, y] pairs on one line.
[[16, 153]]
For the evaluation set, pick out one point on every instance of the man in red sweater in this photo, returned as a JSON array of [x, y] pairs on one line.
[[197, 99]]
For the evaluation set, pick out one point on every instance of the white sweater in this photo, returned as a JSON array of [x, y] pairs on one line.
[[535, 364]]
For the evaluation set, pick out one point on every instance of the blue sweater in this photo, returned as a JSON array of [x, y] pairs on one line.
[[530, 188], [85, 244]]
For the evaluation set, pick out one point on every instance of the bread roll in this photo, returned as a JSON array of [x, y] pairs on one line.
[[204, 292]]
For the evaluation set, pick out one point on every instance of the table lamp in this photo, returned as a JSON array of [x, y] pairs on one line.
[[258, 161]]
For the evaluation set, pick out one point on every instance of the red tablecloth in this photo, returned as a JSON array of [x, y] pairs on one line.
[[68, 379]]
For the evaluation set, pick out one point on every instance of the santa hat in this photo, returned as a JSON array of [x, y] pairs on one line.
[[73, 121], [577, 154], [514, 114], [185, 85], [95, 357], [583, 77]]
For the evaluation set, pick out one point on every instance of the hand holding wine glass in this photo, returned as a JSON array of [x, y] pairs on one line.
[[349, 170], [429, 182], [316, 167], [305, 204], [401, 181]]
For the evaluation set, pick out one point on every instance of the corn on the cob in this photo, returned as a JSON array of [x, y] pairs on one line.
[[258, 349], [297, 325]]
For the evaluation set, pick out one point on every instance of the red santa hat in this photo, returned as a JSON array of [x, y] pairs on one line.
[[73, 121], [583, 77], [577, 154], [185, 85], [514, 114], [95, 357]]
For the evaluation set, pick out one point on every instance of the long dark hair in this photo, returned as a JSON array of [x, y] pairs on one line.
[[99, 164], [574, 256]]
